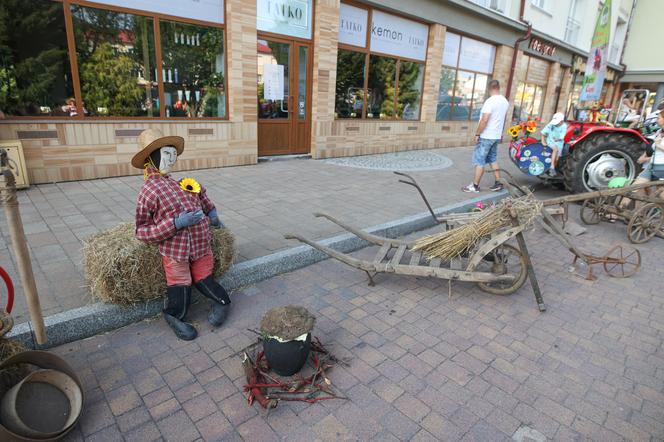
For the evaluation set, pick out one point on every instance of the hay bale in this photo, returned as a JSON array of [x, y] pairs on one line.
[[288, 322], [123, 270]]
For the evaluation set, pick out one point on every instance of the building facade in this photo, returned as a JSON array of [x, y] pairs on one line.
[[645, 69], [241, 79]]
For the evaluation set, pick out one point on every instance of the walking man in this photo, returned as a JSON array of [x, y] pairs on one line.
[[487, 136]]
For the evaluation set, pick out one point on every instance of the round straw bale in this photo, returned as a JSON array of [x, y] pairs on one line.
[[123, 270]]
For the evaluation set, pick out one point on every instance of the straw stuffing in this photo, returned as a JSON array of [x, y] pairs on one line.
[[452, 243], [122, 270]]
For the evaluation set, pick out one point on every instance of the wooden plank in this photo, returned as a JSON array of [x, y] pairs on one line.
[[382, 253], [456, 264], [415, 258], [396, 259], [435, 262]]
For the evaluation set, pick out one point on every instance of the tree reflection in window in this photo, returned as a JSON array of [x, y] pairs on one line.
[[381, 89], [35, 75], [349, 98], [193, 68], [411, 78], [116, 62]]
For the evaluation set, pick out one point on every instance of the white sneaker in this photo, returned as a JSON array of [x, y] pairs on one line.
[[472, 187]]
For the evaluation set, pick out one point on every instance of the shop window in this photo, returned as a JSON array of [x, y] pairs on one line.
[[35, 75], [349, 98], [381, 88], [467, 65], [411, 78], [388, 86], [116, 62], [528, 101], [193, 70]]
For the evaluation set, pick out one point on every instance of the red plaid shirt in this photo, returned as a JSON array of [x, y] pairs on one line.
[[161, 199]]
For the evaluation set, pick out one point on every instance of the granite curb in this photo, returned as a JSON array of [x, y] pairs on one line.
[[97, 318]]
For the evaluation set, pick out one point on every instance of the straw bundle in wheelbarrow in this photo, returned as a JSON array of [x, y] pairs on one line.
[[458, 241], [122, 270]]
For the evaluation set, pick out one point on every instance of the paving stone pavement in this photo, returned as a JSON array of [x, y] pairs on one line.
[[424, 365], [258, 203]]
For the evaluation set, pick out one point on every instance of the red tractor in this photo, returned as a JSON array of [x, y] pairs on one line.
[[595, 151]]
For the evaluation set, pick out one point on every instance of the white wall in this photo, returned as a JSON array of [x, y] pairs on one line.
[[642, 52], [551, 20]]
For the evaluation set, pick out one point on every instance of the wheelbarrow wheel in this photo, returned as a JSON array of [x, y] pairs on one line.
[[592, 211], [622, 261], [506, 259], [645, 223]]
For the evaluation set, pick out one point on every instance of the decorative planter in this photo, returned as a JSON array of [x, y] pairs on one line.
[[287, 357]]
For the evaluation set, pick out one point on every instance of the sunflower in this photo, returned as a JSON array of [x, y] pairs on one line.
[[514, 131], [190, 185]]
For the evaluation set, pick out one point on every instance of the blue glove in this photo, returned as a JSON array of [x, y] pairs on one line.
[[186, 219], [215, 222]]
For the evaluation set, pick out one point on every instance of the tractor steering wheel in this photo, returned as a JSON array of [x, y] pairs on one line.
[[10, 290]]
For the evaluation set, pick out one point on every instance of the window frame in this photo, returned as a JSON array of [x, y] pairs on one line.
[[368, 52], [474, 72], [156, 17]]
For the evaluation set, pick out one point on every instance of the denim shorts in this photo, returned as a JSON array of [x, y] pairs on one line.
[[648, 173], [486, 152]]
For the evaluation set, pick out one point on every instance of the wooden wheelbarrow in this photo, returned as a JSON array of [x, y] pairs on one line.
[[497, 267]]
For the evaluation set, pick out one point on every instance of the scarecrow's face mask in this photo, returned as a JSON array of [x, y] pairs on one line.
[[169, 156]]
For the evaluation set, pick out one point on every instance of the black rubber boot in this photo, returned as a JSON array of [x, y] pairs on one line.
[[183, 330], [176, 305], [221, 302]]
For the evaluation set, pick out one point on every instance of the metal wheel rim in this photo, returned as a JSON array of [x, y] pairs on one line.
[[507, 254], [590, 211], [645, 223], [597, 170], [632, 258]]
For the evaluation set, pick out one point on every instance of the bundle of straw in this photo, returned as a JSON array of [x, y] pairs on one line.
[[452, 243], [13, 374], [122, 270]]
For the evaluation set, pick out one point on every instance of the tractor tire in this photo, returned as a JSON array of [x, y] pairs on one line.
[[580, 172]]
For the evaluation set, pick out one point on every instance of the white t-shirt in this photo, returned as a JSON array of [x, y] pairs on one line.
[[497, 106]]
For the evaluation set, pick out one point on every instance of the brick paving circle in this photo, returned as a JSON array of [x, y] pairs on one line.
[[416, 160]]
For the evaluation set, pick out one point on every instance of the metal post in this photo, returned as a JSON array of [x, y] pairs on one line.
[[9, 200]]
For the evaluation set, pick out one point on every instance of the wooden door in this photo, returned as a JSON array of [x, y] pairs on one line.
[[284, 122]]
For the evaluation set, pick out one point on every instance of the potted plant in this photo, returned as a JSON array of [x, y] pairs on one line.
[[286, 333]]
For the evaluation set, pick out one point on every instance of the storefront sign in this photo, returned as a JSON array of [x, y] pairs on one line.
[[476, 56], [451, 49], [273, 82], [596, 65], [205, 10], [287, 17], [353, 25], [397, 36], [542, 47]]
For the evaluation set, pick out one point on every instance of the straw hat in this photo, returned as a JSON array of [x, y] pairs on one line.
[[152, 139]]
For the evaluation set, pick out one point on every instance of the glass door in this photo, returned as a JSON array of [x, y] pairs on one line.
[[283, 97]]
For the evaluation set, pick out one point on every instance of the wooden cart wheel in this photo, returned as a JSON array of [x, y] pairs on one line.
[[506, 259], [592, 210], [645, 223], [622, 261]]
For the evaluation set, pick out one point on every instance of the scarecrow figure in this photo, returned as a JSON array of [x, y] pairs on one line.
[[174, 216]]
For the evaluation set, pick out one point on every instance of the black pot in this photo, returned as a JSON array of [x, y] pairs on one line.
[[286, 358]]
